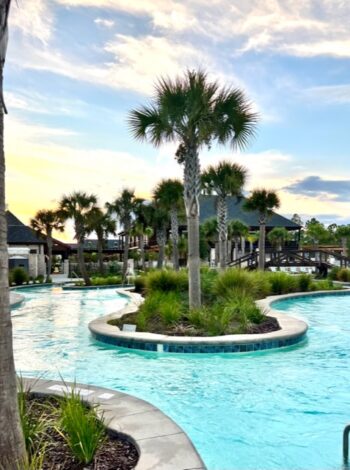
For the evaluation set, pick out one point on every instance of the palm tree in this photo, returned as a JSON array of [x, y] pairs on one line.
[[225, 179], [103, 225], [169, 195], [262, 201], [236, 231], [343, 234], [124, 207], [79, 207], [277, 237], [142, 225], [44, 223], [12, 448], [209, 229], [252, 238], [194, 112], [160, 224]]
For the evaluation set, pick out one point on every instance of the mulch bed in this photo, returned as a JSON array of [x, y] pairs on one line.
[[114, 453]]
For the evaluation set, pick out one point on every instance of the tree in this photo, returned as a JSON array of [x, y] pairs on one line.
[[12, 448], [297, 219], [169, 195], [124, 207], [236, 231], [225, 179], [342, 234], [209, 231], [277, 237], [263, 201], [194, 112], [103, 225], [160, 224], [44, 223], [315, 233], [79, 206], [142, 225], [252, 238]]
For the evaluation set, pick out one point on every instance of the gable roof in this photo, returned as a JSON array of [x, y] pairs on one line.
[[20, 234], [236, 212]]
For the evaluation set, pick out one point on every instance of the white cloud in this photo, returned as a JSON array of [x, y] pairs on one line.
[[33, 18], [331, 94], [104, 22]]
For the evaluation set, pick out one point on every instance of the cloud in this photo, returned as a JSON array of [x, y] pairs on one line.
[[315, 186], [33, 18], [104, 22], [331, 94]]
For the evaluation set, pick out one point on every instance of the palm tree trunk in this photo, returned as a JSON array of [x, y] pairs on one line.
[[161, 241], [192, 186], [142, 250], [81, 262], [175, 237], [344, 246], [49, 255], [12, 449], [100, 254], [126, 253], [235, 252], [222, 229], [262, 236]]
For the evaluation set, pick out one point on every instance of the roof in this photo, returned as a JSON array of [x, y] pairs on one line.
[[236, 212], [19, 234]]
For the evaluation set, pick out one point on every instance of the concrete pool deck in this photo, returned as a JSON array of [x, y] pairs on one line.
[[292, 331], [161, 443]]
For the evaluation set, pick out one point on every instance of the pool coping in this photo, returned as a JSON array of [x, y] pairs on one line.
[[293, 331], [161, 443], [16, 299]]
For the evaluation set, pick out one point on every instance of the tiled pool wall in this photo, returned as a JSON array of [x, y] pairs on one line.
[[199, 348]]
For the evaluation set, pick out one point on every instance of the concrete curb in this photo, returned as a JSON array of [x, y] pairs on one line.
[[161, 443]]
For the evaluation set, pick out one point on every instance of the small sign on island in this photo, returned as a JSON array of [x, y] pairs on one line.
[[129, 328]]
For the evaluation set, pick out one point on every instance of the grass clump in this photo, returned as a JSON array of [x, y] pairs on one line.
[[163, 308], [80, 427], [166, 281], [256, 284]]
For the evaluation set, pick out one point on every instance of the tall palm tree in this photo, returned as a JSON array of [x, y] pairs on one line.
[[169, 195], [142, 225], [103, 225], [12, 448], [262, 201], [44, 223], [225, 179], [124, 207], [79, 206], [236, 231], [277, 237], [160, 223], [194, 112]]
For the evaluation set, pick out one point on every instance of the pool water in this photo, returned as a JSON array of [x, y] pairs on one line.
[[282, 409]]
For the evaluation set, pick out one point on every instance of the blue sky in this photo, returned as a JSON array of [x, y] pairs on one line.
[[76, 67]]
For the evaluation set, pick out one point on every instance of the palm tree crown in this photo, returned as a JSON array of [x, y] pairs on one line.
[[263, 201], [225, 179], [45, 221], [78, 206]]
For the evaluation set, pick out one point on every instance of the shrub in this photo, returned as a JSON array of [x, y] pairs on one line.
[[19, 276], [167, 280], [140, 284], [80, 427], [255, 284], [106, 280], [333, 273], [282, 283], [325, 284], [39, 278], [344, 275], [304, 282], [163, 307]]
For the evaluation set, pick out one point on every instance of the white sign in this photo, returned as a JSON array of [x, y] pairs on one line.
[[129, 328]]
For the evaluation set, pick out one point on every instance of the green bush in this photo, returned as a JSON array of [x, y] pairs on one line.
[[163, 307], [80, 427], [106, 280], [344, 275], [166, 281], [325, 284], [333, 273], [40, 278], [18, 276], [304, 282], [140, 284], [282, 283], [255, 284]]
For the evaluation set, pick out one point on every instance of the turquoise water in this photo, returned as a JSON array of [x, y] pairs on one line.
[[282, 410]]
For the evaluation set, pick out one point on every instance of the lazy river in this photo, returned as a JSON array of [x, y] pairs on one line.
[[277, 410]]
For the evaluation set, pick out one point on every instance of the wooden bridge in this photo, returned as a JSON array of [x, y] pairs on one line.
[[321, 259]]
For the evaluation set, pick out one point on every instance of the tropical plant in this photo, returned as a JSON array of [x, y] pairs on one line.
[[124, 207], [12, 448], [262, 201], [194, 112], [103, 225], [277, 237], [169, 195], [315, 233], [225, 179], [19, 276], [342, 234], [252, 237], [79, 206], [160, 223], [44, 223], [236, 231], [142, 225]]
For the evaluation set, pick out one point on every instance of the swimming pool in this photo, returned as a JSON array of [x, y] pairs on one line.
[[282, 410]]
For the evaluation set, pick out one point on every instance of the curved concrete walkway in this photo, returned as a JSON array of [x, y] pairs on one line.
[[161, 443]]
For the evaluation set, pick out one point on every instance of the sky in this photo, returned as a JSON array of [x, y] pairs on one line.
[[75, 68]]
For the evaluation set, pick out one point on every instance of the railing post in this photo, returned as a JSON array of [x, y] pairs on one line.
[[346, 443]]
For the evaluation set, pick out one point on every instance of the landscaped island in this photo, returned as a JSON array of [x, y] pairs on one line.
[[228, 308]]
